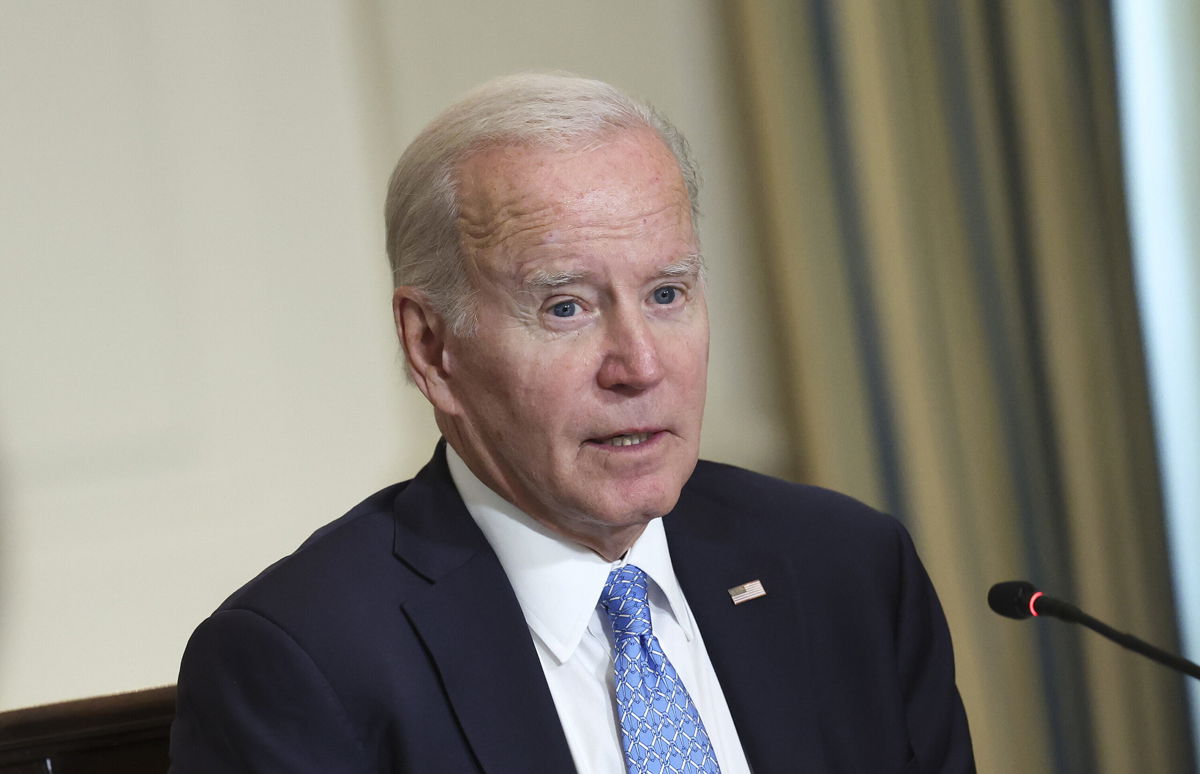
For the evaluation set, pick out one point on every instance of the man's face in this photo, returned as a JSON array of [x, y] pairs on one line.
[[580, 396]]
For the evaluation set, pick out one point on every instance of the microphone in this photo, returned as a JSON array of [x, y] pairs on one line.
[[1021, 599]]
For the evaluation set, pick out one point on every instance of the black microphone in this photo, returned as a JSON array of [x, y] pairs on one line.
[[1021, 599]]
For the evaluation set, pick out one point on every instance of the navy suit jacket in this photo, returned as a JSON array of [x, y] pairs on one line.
[[392, 641]]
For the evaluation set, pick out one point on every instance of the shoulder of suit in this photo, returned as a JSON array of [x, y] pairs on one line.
[[357, 544], [805, 510]]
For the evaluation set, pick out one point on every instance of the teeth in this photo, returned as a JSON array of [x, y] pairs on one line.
[[628, 440]]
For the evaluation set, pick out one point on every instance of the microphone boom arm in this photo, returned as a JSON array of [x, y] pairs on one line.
[[1021, 599], [1126, 640]]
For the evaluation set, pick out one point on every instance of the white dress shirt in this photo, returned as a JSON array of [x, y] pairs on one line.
[[558, 585]]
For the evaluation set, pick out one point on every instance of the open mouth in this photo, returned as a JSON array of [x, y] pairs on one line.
[[625, 439], [628, 440]]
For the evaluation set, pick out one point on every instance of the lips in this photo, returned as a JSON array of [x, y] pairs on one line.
[[629, 438]]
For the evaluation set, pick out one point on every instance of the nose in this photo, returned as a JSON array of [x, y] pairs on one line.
[[631, 359]]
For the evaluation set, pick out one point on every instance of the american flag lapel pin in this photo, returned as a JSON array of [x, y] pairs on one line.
[[747, 591]]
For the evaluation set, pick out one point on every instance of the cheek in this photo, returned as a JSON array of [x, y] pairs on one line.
[[531, 395], [534, 386], [557, 371], [690, 360]]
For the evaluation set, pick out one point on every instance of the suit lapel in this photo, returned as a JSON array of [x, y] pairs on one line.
[[472, 624], [759, 649]]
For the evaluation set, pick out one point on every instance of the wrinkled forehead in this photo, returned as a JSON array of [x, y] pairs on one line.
[[625, 182], [564, 171]]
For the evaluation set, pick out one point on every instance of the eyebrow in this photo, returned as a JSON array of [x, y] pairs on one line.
[[552, 279], [543, 279], [690, 264]]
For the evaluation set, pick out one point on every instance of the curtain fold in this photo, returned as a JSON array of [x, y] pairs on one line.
[[940, 187]]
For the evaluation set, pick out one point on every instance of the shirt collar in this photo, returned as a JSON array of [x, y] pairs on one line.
[[558, 582]]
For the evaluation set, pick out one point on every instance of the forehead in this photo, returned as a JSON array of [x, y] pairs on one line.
[[627, 184], [606, 159]]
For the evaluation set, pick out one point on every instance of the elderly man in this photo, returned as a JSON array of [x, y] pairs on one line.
[[564, 587]]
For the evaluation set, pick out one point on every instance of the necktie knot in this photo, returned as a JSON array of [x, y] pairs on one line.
[[624, 599]]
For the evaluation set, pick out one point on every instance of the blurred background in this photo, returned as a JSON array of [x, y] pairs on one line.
[[953, 273]]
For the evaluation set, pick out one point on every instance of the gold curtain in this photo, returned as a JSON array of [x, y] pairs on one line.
[[941, 196]]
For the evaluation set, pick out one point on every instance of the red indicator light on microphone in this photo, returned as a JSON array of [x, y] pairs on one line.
[[1033, 599]]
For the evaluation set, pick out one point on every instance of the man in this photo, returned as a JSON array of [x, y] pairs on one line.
[[563, 587]]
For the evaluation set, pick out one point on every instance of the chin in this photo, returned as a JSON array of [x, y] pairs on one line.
[[626, 501], [635, 510]]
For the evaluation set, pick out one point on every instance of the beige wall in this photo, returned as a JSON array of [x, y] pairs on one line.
[[196, 361]]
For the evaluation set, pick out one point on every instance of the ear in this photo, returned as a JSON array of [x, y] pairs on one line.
[[422, 333]]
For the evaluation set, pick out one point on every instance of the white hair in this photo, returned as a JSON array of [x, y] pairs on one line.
[[552, 110]]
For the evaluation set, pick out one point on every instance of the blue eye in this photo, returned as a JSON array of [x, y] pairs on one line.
[[665, 295], [564, 309]]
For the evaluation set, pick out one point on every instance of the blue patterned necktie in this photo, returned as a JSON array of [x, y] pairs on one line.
[[661, 729]]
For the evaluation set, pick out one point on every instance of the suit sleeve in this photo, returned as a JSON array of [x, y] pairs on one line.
[[937, 722], [251, 700]]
